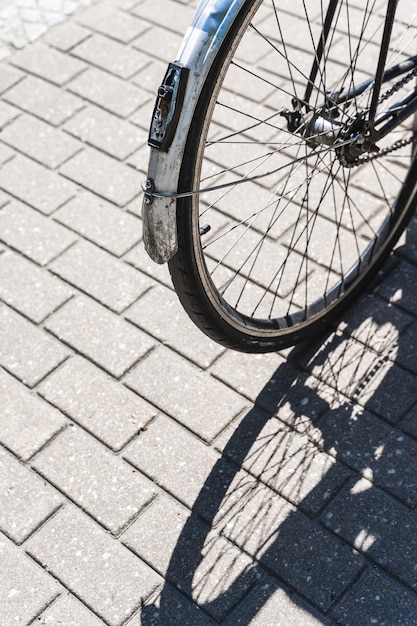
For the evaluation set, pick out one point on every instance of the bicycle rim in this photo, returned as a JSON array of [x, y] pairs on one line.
[[294, 227]]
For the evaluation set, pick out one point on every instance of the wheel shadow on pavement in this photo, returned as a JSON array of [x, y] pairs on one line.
[[308, 515]]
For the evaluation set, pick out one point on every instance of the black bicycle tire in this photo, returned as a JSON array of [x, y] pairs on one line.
[[185, 267]]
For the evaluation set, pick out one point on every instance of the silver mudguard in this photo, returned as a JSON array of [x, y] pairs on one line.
[[174, 109]]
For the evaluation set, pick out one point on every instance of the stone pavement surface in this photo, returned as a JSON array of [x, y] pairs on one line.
[[149, 477]]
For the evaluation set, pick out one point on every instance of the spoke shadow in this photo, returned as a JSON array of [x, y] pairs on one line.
[[316, 486]]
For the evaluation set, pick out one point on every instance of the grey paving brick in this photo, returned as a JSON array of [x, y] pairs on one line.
[[35, 185], [150, 77], [27, 421], [66, 35], [377, 324], [370, 379], [409, 423], [109, 21], [203, 564], [110, 92], [6, 153], [100, 275], [156, 43], [26, 501], [377, 599], [95, 567], [168, 14], [98, 481], [112, 56], [9, 76], [68, 611], [300, 551], [48, 63], [101, 222], [106, 131], [103, 175], [170, 324], [166, 608], [25, 589], [271, 603], [40, 141], [202, 403], [34, 235], [44, 100], [139, 259], [7, 113], [99, 334], [372, 447], [392, 288], [30, 290], [378, 526], [283, 459], [166, 453], [26, 351], [91, 398]]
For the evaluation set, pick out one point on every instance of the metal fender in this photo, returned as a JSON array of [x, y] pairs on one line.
[[176, 100]]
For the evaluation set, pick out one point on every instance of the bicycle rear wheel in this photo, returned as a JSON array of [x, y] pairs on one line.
[[297, 224]]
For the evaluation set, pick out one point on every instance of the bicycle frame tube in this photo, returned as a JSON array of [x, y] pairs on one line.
[[210, 25]]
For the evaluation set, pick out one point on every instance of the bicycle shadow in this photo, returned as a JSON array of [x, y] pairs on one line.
[[315, 486]]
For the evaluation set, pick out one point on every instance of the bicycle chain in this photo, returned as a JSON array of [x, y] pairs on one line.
[[398, 144]]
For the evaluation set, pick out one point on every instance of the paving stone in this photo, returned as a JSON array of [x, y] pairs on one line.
[[395, 288], [30, 290], [28, 422], [7, 113], [283, 459], [110, 92], [406, 349], [103, 175], [378, 526], [93, 477], [106, 131], [189, 394], [32, 234], [111, 56], [35, 185], [370, 379], [91, 398], [9, 76], [270, 603], [68, 611], [107, 280], [377, 324], [310, 559], [48, 63], [166, 608], [168, 14], [139, 259], [109, 21], [103, 574], [166, 453], [377, 599], [44, 100], [25, 589], [157, 44], [6, 153], [66, 35], [26, 502], [372, 447], [40, 141], [26, 351], [150, 77], [202, 564], [101, 222], [171, 325], [409, 423], [97, 333]]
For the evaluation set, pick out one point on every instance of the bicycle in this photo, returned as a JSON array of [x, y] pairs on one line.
[[283, 162]]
